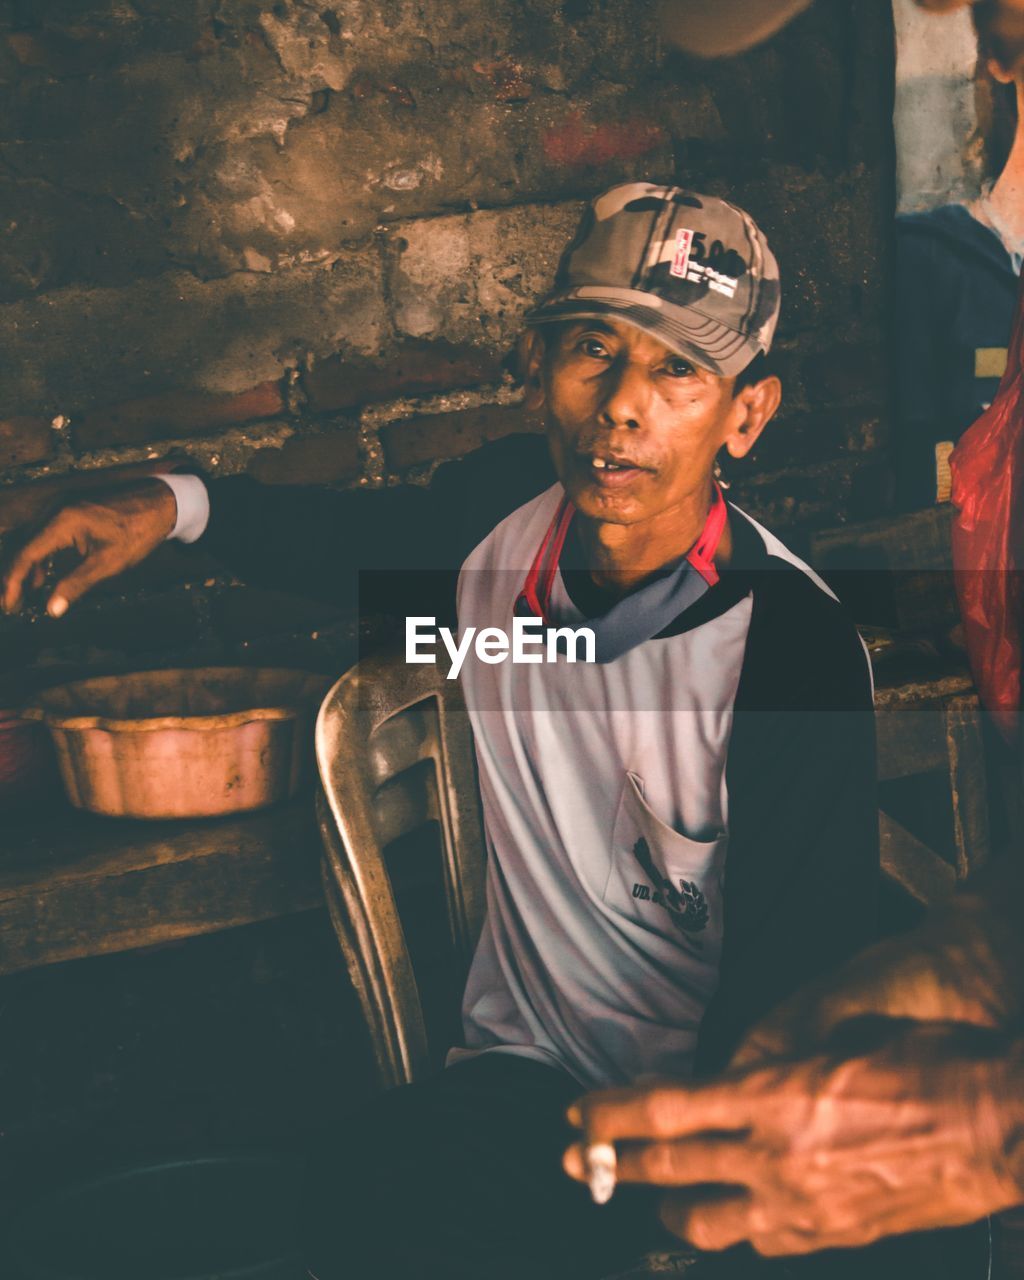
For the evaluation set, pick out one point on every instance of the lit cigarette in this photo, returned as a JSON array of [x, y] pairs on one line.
[[599, 1158]]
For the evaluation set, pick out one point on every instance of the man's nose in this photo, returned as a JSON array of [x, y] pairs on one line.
[[626, 399]]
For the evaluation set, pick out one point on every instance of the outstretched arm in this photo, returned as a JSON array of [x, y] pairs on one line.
[[920, 1129], [307, 539]]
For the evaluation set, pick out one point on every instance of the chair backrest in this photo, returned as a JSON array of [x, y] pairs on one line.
[[898, 572], [394, 751], [895, 572], [933, 728]]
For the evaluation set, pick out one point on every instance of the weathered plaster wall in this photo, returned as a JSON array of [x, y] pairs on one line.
[[938, 146], [297, 239]]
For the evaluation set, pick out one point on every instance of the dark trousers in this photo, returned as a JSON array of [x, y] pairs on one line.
[[459, 1178]]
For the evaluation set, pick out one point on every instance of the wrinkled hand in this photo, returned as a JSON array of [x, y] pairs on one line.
[[111, 533], [964, 964], [915, 1134]]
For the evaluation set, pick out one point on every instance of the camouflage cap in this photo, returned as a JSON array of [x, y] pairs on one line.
[[693, 271]]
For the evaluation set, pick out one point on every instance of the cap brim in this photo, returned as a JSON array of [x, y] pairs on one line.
[[713, 346]]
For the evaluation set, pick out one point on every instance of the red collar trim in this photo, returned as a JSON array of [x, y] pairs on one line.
[[702, 554], [535, 597]]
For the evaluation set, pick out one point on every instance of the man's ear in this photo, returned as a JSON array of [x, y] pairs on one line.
[[756, 406], [531, 365]]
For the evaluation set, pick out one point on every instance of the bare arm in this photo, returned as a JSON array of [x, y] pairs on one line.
[[918, 1131], [886, 1098], [964, 963]]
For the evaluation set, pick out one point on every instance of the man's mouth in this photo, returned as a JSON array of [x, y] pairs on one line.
[[606, 469]]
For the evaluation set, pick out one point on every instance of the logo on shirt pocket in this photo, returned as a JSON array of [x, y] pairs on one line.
[[663, 881], [686, 905]]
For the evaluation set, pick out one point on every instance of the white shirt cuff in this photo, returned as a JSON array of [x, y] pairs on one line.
[[193, 507]]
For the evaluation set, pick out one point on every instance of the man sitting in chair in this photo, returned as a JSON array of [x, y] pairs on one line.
[[679, 832]]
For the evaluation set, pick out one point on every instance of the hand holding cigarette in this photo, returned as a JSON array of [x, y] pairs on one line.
[[912, 1134]]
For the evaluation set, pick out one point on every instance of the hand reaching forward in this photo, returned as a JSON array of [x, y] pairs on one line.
[[917, 1133], [111, 533]]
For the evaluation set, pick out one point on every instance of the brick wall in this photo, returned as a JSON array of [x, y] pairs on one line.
[[297, 240]]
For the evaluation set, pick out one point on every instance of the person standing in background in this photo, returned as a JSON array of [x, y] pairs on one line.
[[958, 268]]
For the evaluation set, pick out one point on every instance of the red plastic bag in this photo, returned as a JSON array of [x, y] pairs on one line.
[[988, 539]]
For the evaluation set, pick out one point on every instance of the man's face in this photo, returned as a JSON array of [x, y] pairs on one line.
[[633, 427]]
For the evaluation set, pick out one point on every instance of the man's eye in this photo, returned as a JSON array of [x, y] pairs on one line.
[[677, 367], [592, 347]]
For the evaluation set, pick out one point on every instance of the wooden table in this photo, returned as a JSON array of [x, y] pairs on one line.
[[75, 885]]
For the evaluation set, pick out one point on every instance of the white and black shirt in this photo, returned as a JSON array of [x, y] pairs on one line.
[[677, 838]]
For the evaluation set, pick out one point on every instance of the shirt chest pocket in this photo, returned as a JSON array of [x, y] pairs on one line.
[[663, 881]]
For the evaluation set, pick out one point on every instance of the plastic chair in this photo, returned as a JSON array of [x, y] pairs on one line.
[[394, 751]]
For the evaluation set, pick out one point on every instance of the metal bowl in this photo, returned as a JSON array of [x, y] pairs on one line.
[[190, 743]]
